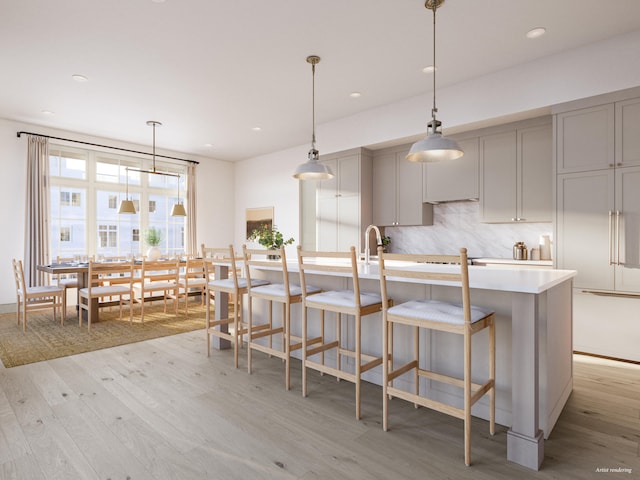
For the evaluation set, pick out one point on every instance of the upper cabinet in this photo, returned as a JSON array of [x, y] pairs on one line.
[[397, 190], [454, 179], [343, 203], [585, 139], [516, 173], [628, 132]]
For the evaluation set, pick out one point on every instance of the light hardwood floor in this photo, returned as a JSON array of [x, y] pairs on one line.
[[161, 409]]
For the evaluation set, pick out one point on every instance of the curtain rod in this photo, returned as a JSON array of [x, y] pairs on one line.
[[107, 146]]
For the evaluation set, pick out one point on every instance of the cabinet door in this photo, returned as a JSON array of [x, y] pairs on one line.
[[498, 177], [327, 210], [628, 132], [628, 229], [348, 202], [454, 179], [384, 189], [409, 191], [585, 139], [535, 191], [584, 233]]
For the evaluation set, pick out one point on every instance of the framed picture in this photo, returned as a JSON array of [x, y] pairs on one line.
[[258, 217]]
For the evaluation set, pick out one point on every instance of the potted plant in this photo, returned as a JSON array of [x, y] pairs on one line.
[[152, 238], [270, 237], [386, 241]]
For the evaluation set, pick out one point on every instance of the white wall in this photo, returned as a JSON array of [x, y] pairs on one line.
[[497, 98], [214, 189]]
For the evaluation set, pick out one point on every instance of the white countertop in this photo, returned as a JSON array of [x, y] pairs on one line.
[[521, 280], [510, 261]]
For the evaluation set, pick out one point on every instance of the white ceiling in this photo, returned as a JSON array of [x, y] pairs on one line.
[[211, 70]]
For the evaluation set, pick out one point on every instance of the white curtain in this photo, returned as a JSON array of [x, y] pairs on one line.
[[36, 235], [192, 239]]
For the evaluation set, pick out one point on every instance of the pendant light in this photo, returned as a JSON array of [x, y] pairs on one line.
[[126, 205], [178, 209], [434, 147], [312, 169]]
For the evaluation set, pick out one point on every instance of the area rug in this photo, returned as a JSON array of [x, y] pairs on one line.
[[46, 339]]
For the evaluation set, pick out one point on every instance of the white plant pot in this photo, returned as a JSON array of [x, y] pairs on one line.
[[153, 253]]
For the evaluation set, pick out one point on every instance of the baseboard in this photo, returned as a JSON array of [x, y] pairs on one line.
[[606, 357]]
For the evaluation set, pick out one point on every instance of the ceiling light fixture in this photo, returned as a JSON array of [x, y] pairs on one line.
[[536, 32], [434, 147], [79, 78], [355, 94], [178, 209], [127, 206], [312, 169]]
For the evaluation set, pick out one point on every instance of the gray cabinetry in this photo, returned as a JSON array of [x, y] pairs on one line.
[[455, 179], [585, 139], [397, 190], [516, 179], [598, 218], [343, 204]]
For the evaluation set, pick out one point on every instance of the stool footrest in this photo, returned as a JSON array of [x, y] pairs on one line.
[[322, 348], [426, 402], [331, 371]]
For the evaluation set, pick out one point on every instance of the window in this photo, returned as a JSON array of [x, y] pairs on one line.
[[108, 236], [86, 189], [65, 234]]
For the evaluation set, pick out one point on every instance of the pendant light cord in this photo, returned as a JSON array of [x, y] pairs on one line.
[[313, 106], [434, 109]]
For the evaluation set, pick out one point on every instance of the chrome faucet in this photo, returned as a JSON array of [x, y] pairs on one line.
[[366, 241]]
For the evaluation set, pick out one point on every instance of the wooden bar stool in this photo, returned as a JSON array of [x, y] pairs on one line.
[[462, 319], [235, 286], [341, 302], [285, 293]]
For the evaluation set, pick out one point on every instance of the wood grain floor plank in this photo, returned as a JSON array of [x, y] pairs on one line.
[[162, 409]]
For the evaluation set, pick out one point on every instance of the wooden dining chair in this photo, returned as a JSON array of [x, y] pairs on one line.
[[463, 319], [102, 283], [157, 276], [344, 303], [193, 278], [286, 293], [36, 298]]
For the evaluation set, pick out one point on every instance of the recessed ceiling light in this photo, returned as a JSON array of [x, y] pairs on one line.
[[79, 78], [429, 69], [536, 32], [157, 1], [208, 145], [355, 94], [47, 112], [256, 129]]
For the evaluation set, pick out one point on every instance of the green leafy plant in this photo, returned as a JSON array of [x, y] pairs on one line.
[[386, 241], [153, 237], [270, 238]]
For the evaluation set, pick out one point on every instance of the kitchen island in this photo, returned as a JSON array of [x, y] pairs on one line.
[[534, 375]]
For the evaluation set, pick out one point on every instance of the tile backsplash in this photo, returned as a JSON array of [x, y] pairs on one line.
[[457, 224]]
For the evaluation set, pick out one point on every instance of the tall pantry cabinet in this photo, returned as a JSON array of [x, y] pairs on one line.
[[597, 147], [343, 203]]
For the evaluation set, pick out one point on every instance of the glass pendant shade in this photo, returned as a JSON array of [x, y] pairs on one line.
[[127, 206], [178, 210], [313, 169], [434, 148]]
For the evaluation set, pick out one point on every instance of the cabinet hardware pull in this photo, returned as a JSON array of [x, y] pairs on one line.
[[612, 294], [617, 237], [610, 237]]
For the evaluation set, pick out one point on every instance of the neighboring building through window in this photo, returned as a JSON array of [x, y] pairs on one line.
[[65, 234], [113, 201]]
